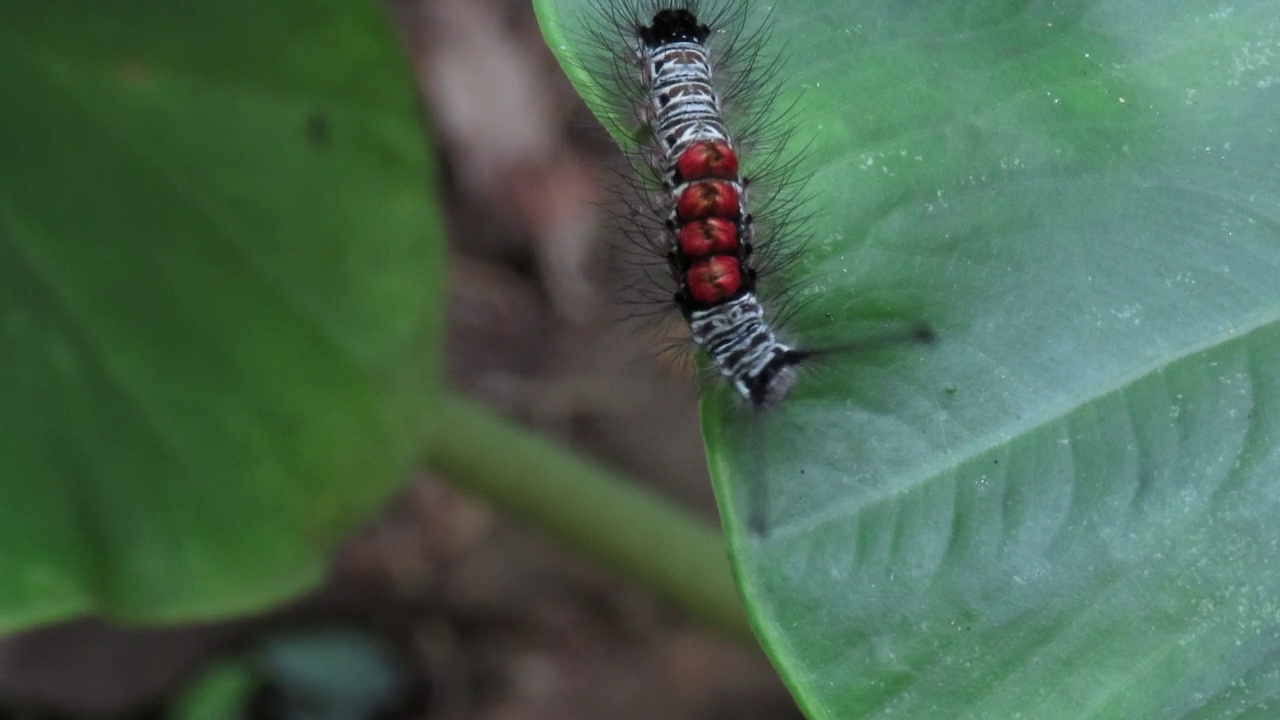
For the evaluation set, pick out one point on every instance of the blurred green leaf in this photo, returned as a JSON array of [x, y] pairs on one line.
[[333, 674], [220, 288], [1064, 509], [224, 690]]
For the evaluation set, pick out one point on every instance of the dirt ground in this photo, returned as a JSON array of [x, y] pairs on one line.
[[484, 619]]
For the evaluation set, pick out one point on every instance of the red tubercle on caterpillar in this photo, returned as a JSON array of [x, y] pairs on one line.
[[714, 279], [709, 159], [712, 236], [707, 199]]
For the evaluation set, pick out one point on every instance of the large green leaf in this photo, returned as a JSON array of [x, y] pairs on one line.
[[219, 298], [1066, 507]]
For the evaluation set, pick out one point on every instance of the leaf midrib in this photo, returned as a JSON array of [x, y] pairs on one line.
[[929, 473]]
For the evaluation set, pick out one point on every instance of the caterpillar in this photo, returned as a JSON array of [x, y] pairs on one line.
[[678, 68]]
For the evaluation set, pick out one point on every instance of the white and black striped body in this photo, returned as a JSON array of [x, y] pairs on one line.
[[745, 350], [680, 72]]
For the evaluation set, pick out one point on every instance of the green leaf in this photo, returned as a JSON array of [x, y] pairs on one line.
[[1065, 508], [220, 288], [222, 691]]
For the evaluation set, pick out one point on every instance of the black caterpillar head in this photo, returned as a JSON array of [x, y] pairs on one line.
[[771, 386], [672, 26]]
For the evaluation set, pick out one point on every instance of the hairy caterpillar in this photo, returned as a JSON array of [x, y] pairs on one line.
[[690, 89], [693, 92]]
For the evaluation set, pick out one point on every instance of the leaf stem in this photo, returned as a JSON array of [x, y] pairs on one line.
[[589, 509]]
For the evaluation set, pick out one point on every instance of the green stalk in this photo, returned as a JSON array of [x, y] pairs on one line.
[[591, 510]]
